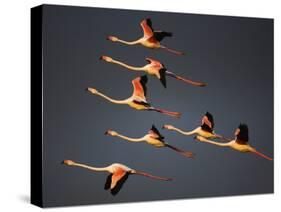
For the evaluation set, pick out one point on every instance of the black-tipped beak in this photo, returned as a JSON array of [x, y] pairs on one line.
[[86, 89], [106, 133], [62, 162], [101, 58]]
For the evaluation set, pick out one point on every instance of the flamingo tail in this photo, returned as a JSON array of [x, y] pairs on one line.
[[200, 84]]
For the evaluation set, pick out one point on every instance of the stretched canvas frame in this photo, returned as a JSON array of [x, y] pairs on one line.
[[216, 72]]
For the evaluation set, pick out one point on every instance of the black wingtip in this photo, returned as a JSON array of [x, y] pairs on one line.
[[144, 78]]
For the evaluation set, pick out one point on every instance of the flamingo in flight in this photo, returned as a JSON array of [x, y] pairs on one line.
[[138, 99], [153, 138], [240, 143], [155, 68], [119, 173], [206, 129], [151, 38]]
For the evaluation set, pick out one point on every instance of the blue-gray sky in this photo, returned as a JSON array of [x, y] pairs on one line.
[[233, 55]]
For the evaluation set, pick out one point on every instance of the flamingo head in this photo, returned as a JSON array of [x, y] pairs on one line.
[[68, 162], [110, 132], [112, 38], [92, 90], [106, 58], [168, 127]]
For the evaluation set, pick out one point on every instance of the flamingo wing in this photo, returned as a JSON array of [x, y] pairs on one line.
[[160, 35], [155, 132], [153, 61], [147, 28], [139, 85], [117, 180], [162, 73], [107, 182], [242, 136], [208, 122]]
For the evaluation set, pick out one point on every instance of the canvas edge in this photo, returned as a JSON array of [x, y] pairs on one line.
[[36, 193]]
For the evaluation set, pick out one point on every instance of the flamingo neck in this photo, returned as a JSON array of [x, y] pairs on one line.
[[129, 42], [103, 169], [192, 132], [112, 100], [128, 66], [131, 139], [218, 144]]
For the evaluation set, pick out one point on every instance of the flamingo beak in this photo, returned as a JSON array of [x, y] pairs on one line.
[[106, 132]]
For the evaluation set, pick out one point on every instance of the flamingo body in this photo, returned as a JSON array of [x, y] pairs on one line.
[[153, 138], [119, 173], [153, 68], [138, 98], [206, 129], [151, 38]]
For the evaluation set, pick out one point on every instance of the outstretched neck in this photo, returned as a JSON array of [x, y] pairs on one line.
[[217, 143], [128, 66], [91, 167], [192, 132], [131, 139], [112, 100], [130, 42]]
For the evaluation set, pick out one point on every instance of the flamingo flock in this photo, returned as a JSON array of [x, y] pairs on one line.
[[119, 173]]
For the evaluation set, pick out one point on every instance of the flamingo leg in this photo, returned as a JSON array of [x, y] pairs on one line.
[[184, 153], [172, 50], [152, 176], [262, 155], [169, 113], [171, 74]]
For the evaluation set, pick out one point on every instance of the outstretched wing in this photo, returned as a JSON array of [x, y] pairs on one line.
[[139, 85], [117, 181], [162, 73], [208, 122], [153, 61], [156, 132], [107, 182], [242, 136], [160, 35], [147, 28]]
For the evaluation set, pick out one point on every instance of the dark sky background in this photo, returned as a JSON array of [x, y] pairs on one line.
[[233, 55]]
